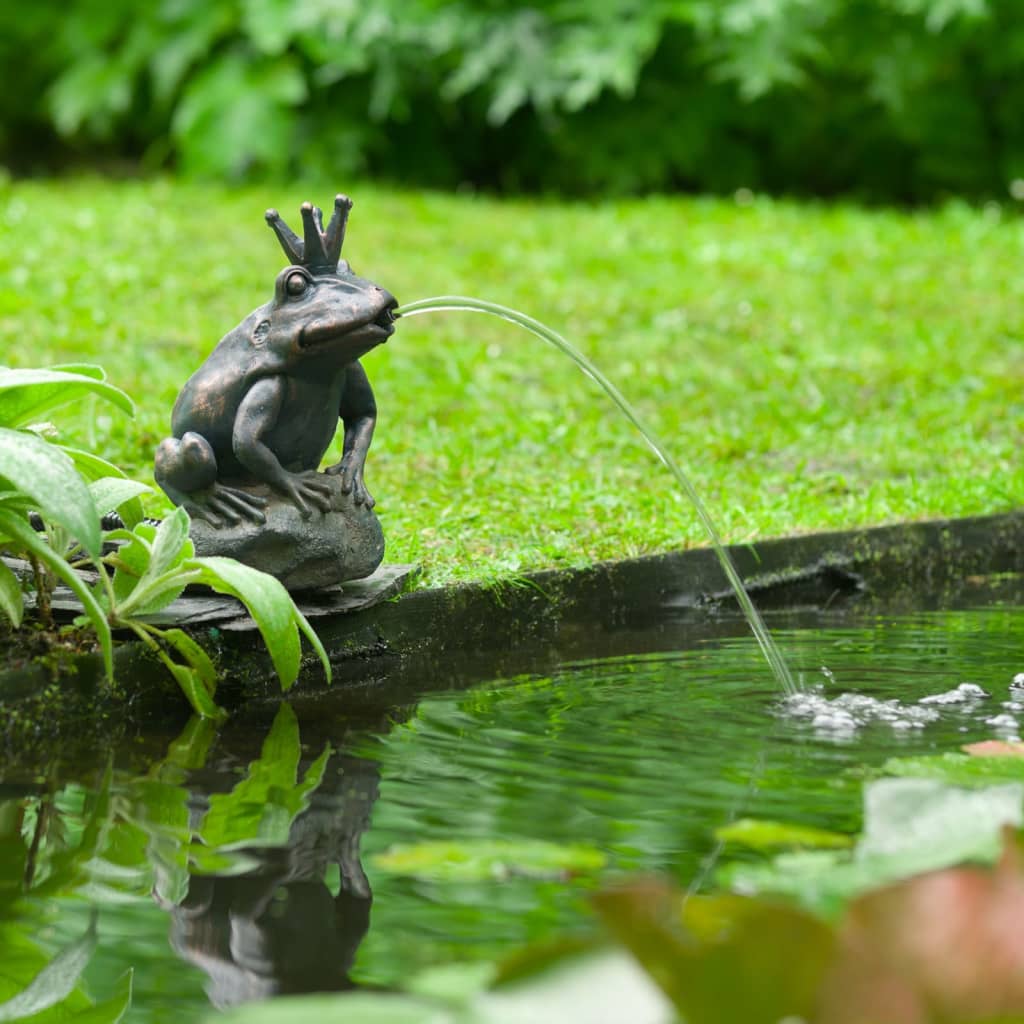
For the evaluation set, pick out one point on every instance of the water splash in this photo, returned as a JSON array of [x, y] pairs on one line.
[[460, 303]]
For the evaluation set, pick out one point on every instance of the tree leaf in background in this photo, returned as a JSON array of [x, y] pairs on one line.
[[44, 473], [475, 860]]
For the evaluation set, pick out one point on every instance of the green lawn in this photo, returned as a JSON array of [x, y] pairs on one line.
[[810, 366]]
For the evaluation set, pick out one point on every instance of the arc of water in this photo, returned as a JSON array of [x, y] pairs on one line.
[[460, 303]]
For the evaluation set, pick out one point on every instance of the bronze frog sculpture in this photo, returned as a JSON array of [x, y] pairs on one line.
[[252, 424]]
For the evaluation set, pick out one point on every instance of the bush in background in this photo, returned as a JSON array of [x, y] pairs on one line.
[[903, 99]]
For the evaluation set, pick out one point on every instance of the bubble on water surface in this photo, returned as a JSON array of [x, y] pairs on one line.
[[1005, 726], [843, 716], [958, 695]]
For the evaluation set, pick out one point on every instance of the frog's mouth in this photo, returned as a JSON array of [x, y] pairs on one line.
[[366, 333]]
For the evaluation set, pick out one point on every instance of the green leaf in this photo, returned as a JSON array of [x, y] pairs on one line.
[[759, 834], [722, 958], [91, 370], [958, 769], [91, 465], [171, 545], [44, 473], [194, 689], [112, 492], [27, 396], [12, 604], [910, 826], [196, 692], [112, 1010], [56, 981], [488, 859], [270, 605], [150, 569], [261, 808], [196, 657], [189, 751], [361, 1007], [15, 527]]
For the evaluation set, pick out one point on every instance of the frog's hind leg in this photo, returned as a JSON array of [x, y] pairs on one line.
[[186, 469]]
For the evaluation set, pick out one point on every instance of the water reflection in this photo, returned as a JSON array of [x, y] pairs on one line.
[[253, 850], [293, 917]]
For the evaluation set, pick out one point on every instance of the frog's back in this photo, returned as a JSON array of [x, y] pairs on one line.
[[210, 398]]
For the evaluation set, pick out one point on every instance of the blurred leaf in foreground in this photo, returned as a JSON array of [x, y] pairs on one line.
[[946, 947], [475, 860]]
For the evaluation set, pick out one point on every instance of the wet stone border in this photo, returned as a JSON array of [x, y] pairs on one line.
[[385, 653]]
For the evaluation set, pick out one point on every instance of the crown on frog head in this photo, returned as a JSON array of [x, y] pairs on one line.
[[320, 250]]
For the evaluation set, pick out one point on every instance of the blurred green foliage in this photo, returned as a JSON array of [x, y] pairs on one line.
[[904, 99]]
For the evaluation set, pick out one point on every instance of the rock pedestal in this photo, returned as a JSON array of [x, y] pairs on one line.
[[344, 543]]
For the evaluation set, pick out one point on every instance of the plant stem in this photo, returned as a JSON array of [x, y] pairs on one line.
[[42, 579]]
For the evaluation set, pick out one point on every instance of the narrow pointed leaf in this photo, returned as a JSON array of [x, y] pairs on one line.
[[44, 473], [195, 690], [171, 545], [314, 642], [12, 604], [197, 658]]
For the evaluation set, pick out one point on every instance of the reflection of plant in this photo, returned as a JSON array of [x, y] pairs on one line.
[[891, 931], [130, 837], [152, 566], [43, 858]]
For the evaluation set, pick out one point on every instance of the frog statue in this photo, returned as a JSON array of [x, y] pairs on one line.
[[252, 424]]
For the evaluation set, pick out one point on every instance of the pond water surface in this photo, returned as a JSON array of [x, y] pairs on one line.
[[236, 866]]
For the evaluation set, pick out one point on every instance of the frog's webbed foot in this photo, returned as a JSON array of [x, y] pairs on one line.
[[229, 505], [351, 473], [305, 489], [186, 468]]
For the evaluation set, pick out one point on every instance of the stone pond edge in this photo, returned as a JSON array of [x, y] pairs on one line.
[[932, 559]]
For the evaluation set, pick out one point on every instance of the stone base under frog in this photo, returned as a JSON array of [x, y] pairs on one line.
[[345, 543]]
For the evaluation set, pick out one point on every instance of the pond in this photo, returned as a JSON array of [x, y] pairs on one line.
[[298, 849]]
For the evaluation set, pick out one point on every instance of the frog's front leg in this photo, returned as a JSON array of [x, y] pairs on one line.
[[186, 468], [358, 411], [257, 415]]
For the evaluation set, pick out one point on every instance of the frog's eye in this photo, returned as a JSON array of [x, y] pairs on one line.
[[296, 284]]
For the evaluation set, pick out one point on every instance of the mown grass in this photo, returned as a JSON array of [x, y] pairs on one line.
[[811, 366]]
